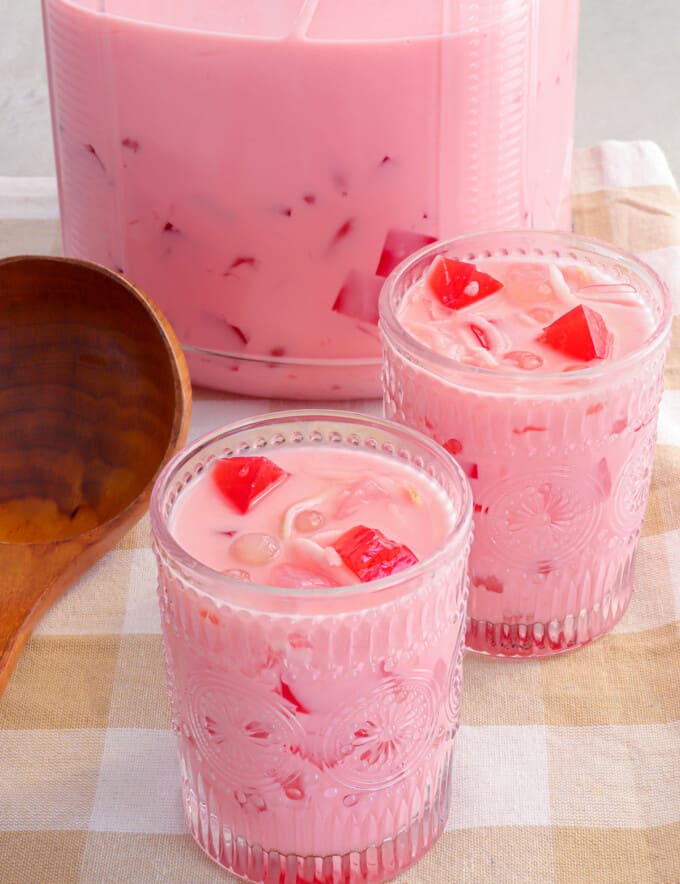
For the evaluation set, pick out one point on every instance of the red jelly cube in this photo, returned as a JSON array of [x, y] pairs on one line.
[[580, 333], [371, 555], [358, 297], [399, 244], [244, 480], [458, 284], [453, 446]]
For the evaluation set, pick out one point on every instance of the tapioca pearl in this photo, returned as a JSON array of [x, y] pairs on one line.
[[309, 520], [542, 315], [524, 359], [255, 548], [239, 574]]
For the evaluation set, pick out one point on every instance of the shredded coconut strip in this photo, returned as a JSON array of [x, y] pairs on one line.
[[561, 290], [622, 294]]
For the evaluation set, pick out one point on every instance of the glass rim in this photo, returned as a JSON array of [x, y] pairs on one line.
[[454, 540], [393, 332]]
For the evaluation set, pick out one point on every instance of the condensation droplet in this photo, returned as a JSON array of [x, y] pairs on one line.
[[350, 800]]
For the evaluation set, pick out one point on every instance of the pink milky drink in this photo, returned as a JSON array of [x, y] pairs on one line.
[[537, 360], [259, 166], [312, 584]]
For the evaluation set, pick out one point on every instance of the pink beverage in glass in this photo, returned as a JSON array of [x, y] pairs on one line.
[[537, 360], [259, 166], [312, 583]]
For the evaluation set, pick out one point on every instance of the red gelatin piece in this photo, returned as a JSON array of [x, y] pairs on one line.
[[458, 284], [344, 230], [91, 149], [399, 244], [358, 298], [471, 470], [371, 555], [453, 446], [240, 334], [294, 788], [131, 144], [290, 697], [604, 478], [244, 480], [580, 333], [480, 334], [491, 583], [530, 428], [241, 261]]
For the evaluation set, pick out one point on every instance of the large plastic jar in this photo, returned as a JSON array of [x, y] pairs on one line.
[[259, 166]]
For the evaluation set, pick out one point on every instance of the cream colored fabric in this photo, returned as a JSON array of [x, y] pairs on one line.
[[566, 770]]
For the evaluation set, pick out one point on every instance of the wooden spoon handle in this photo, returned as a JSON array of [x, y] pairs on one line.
[[33, 576]]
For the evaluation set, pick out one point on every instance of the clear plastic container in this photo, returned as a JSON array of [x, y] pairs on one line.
[[258, 167]]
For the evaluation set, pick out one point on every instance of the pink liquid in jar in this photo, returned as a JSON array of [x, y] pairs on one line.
[[258, 168]]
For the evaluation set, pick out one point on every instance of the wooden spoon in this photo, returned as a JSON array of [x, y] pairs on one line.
[[94, 398]]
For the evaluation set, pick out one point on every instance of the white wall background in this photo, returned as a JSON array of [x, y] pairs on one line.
[[628, 83]]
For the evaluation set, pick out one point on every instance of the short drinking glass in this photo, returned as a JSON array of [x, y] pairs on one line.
[[348, 780], [556, 433]]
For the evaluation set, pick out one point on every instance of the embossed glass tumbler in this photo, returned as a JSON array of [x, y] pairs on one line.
[[559, 460], [347, 779]]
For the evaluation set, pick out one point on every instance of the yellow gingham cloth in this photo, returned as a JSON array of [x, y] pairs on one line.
[[566, 770]]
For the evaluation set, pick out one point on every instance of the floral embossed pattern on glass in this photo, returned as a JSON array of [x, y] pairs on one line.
[[559, 461], [315, 726]]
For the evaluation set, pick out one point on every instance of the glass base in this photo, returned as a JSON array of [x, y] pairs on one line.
[[279, 378], [372, 865], [548, 638]]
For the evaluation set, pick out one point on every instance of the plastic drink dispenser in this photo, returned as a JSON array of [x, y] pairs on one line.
[[260, 166]]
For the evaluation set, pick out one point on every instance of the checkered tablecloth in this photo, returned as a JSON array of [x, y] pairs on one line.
[[566, 770]]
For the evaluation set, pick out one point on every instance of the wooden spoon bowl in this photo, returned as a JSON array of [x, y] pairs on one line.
[[94, 398]]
